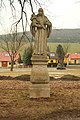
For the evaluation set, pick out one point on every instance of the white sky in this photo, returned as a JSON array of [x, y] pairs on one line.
[[62, 14]]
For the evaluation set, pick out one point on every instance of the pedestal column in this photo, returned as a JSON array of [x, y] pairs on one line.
[[39, 77]]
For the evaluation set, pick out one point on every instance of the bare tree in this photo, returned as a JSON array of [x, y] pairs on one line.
[[11, 43], [66, 48], [23, 13]]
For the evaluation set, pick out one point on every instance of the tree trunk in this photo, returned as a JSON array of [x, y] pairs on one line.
[[12, 65]]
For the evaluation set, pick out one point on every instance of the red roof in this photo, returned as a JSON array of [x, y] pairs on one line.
[[75, 56], [4, 56]]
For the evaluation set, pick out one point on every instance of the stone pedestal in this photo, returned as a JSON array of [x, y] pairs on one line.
[[39, 77]]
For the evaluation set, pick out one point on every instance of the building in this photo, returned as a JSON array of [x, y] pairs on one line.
[[74, 58], [5, 60], [52, 60]]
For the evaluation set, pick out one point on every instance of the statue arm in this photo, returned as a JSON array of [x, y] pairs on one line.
[[49, 26], [47, 22], [34, 24]]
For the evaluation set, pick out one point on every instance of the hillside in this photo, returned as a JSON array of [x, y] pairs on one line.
[[59, 36], [65, 36]]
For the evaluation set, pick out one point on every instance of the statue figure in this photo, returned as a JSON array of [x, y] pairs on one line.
[[40, 28]]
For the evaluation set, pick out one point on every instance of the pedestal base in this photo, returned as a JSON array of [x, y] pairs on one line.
[[39, 77], [39, 91]]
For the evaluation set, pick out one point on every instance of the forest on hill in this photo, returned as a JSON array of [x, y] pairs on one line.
[[58, 36], [65, 36]]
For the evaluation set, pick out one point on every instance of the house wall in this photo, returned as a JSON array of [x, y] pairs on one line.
[[0, 64], [66, 60], [74, 61], [53, 60], [79, 61], [9, 65], [15, 65], [71, 61]]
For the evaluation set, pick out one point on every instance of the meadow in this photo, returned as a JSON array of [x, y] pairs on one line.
[[73, 47]]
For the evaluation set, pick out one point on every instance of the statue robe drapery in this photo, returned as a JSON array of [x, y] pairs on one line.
[[40, 29]]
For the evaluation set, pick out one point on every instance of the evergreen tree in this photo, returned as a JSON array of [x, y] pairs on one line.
[[19, 59], [60, 54], [27, 56]]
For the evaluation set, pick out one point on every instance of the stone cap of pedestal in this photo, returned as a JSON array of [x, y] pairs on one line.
[[39, 59]]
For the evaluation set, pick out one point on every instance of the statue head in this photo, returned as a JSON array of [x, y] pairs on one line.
[[40, 12]]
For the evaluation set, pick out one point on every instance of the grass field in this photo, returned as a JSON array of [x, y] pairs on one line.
[[73, 47], [52, 71]]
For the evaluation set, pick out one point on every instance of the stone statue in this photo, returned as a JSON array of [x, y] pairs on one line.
[[40, 29]]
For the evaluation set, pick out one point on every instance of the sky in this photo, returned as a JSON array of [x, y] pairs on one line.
[[64, 14]]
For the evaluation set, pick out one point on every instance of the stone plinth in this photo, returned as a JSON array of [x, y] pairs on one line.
[[39, 77]]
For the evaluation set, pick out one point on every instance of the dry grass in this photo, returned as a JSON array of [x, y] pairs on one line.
[[64, 103], [52, 71], [15, 73], [15, 103]]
